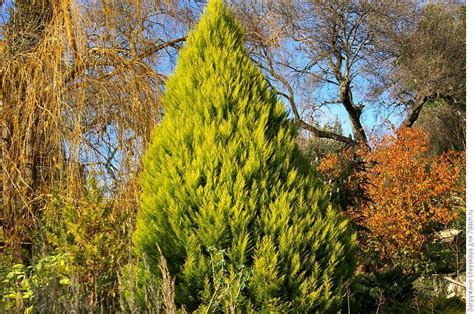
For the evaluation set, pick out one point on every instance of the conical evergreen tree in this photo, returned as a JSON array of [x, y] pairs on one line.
[[228, 197]]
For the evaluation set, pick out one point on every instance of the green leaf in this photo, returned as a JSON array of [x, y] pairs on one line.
[[65, 281], [25, 284], [28, 294]]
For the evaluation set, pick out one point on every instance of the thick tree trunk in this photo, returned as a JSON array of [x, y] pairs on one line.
[[355, 112]]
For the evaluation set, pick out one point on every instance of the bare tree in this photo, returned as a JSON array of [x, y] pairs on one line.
[[342, 54]]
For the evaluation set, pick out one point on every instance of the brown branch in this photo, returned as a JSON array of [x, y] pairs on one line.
[[154, 49], [315, 131], [291, 99], [418, 105], [459, 283], [326, 134], [414, 113]]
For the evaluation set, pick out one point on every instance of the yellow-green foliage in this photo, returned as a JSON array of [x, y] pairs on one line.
[[21, 287], [223, 174], [94, 237]]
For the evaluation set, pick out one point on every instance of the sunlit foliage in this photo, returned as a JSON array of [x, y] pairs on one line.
[[226, 190], [412, 194]]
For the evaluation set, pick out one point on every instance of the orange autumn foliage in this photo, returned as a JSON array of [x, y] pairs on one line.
[[412, 194]]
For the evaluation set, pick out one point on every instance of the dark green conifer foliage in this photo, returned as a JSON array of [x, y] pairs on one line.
[[226, 188]]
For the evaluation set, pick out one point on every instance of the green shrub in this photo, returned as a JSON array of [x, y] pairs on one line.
[[227, 196], [24, 288], [92, 232], [389, 291], [431, 296]]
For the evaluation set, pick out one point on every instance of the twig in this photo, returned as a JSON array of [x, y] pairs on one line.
[[455, 282]]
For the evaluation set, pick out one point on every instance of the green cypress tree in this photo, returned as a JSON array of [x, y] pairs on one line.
[[227, 196]]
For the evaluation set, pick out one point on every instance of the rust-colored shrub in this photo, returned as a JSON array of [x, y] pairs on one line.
[[412, 195]]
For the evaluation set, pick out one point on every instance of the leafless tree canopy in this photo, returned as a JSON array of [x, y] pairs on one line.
[[356, 55]]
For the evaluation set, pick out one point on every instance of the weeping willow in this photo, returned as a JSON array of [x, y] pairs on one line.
[[80, 87]]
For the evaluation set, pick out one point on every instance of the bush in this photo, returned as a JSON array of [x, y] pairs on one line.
[[389, 291], [93, 234], [28, 288], [227, 196], [413, 196]]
